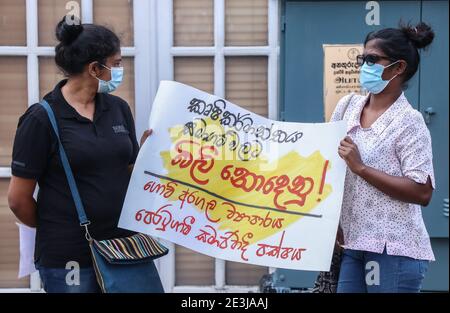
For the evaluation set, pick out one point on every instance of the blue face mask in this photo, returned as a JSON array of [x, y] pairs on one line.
[[116, 80], [371, 79]]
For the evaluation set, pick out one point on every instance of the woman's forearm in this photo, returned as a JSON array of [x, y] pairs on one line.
[[25, 211], [399, 188]]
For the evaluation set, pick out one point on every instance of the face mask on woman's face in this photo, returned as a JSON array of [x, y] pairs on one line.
[[371, 79], [116, 80]]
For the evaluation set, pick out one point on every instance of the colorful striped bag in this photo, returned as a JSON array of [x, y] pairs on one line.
[[126, 264], [134, 249]]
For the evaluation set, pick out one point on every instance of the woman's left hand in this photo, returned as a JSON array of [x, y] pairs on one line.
[[348, 151], [145, 135]]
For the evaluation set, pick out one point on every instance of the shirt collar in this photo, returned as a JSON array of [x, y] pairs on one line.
[[65, 110], [383, 121]]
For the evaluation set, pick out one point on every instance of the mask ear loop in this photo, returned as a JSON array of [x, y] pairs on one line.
[[389, 66], [102, 66], [99, 79], [105, 66], [392, 64]]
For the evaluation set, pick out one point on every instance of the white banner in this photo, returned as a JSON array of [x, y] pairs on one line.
[[225, 182]]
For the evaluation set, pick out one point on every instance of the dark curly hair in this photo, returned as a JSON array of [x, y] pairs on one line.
[[80, 44], [403, 43]]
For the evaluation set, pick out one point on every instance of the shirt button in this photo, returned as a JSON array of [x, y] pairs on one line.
[[392, 237]]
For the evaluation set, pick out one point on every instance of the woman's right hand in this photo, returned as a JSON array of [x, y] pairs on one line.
[[339, 238]]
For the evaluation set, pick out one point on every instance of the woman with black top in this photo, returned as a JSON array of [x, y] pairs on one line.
[[97, 131]]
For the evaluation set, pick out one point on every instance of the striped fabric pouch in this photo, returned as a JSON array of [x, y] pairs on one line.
[[134, 249]]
